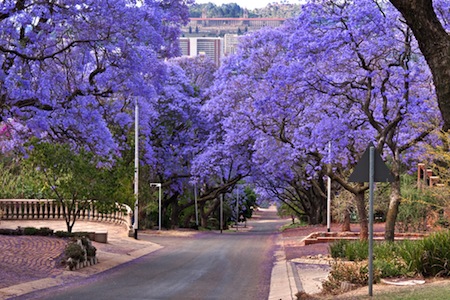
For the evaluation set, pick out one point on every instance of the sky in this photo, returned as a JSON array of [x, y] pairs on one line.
[[249, 4]]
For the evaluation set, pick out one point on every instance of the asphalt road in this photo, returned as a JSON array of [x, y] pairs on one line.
[[231, 265]]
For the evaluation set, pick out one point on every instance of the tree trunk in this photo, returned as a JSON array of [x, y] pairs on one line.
[[434, 42], [314, 213], [362, 214], [314, 218], [69, 226], [203, 215], [392, 213], [187, 220], [346, 224], [175, 218]]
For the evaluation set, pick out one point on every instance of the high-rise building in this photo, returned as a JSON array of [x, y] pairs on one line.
[[209, 46], [230, 43]]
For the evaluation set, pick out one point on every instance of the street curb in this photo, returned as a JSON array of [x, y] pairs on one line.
[[283, 284]]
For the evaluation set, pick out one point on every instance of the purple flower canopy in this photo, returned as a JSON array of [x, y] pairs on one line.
[[342, 74], [345, 74], [74, 69]]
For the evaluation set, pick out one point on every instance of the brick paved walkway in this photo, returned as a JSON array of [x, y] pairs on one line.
[[27, 258], [30, 263]]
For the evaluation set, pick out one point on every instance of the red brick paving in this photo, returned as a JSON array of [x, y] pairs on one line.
[[27, 258]]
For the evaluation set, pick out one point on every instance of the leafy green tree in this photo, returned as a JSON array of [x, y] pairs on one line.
[[18, 181], [233, 10], [74, 179], [287, 211]]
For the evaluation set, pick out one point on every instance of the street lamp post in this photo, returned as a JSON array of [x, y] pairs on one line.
[[221, 213], [136, 170], [159, 203], [329, 190], [237, 208]]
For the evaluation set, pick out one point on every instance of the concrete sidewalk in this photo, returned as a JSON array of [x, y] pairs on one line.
[[299, 275]]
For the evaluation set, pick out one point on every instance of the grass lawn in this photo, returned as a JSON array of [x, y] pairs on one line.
[[435, 290], [419, 293]]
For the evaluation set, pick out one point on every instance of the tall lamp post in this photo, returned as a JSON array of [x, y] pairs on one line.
[[329, 190], [237, 208], [159, 203], [136, 170], [221, 213]]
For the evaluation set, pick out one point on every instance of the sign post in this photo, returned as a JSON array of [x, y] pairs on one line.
[[371, 181], [371, 168]]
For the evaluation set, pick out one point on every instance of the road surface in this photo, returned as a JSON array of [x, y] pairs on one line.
[[231, 265]]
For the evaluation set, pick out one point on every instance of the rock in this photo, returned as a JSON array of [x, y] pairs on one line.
[[347, 286]]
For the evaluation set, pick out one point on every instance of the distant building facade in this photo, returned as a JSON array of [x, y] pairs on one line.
[[252, 23], [209, 46], [230, 43], [217, 37]]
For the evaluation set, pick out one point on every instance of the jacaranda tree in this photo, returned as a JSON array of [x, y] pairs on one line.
[[68, 69], [428, 20], [340, 73], [376, 83]]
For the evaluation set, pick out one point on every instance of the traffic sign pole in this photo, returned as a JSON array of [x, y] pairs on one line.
[[371, 181], [371, 164]]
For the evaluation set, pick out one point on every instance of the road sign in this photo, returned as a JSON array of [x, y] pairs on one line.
[[371, 168], [361, 172]]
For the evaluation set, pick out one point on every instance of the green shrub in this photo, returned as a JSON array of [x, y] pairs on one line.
[[391, 259], [356, 273], [436, 255], [91, 251], [411, 253], [428, 257], [7, 231], [337, 248], [64, 234], [384, 249], [30, 231], [357, 250], [349, 250], [75, 252], [45, 231], [389, 268]]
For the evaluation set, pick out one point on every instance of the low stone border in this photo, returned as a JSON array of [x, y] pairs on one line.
[[101, 237], [326, 237], [80, 265], [402, 281]]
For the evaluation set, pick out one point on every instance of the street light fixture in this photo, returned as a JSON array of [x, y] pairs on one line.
[[159, 203]]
